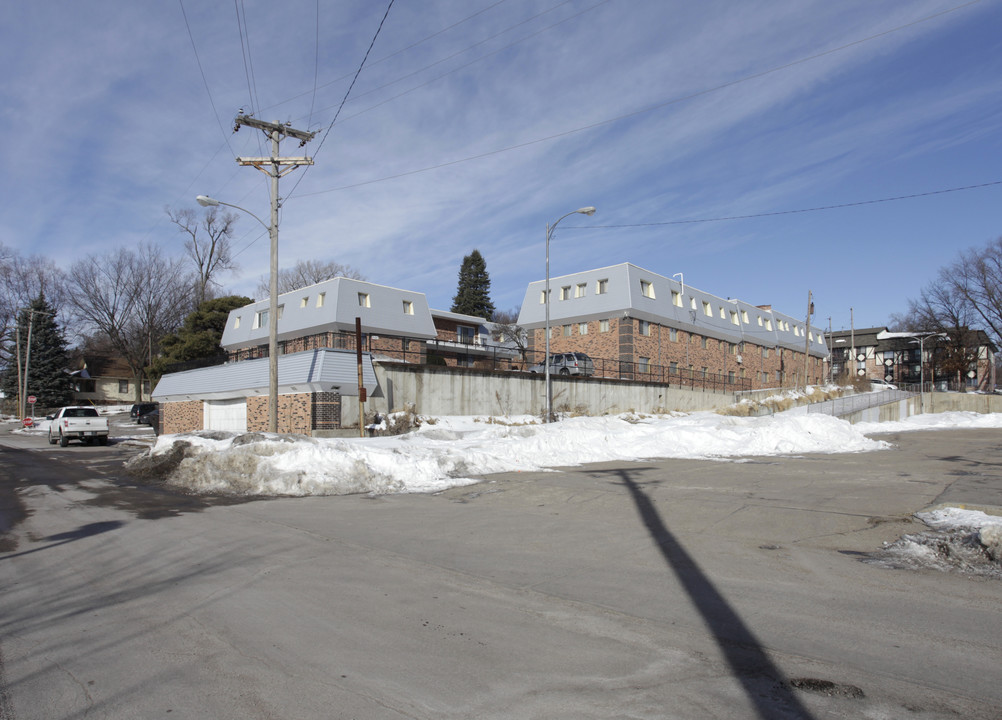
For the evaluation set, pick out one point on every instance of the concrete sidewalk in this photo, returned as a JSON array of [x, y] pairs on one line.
[[675, 589]]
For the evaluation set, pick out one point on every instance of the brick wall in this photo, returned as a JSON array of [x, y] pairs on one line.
[[625, 342], [179, 417], [295, 413], [326, 411]]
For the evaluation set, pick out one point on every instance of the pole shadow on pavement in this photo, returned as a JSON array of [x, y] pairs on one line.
[[762, 681]]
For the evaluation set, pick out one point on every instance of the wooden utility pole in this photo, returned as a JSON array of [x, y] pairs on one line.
[[272, 166]]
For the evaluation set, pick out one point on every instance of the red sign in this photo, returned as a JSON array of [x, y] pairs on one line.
[[28, 422], [31, 399]]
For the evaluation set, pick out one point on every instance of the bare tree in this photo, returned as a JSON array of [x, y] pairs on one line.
[[21, 280], [305, 273], [505, 328], [207, 244], [134, 299]]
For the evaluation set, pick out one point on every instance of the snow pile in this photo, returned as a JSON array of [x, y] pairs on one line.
[[453, 451], [959, 540], [935, 421]]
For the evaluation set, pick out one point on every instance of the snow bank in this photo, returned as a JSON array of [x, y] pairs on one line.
[[454, 451], [934, 421]]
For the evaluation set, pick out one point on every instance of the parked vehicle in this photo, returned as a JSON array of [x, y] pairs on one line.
[[882, 385], [567, 364], [152, 419], [77, 423], [140, 409]]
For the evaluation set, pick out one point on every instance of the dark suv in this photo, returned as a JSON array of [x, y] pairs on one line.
[[140, 409], [567, 364]]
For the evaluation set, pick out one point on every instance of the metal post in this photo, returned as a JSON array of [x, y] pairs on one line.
[[546, 357], [546, 299]]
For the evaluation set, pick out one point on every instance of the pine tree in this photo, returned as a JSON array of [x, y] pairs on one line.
[[473, 296], [48, 361]]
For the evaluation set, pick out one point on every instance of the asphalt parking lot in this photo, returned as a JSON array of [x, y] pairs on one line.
[[675, 589]]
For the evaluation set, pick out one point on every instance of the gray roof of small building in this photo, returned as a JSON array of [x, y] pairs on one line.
[[322, 370], [741, 321], [300, 315]]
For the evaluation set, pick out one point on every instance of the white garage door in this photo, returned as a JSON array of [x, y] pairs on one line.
[[225, 415]]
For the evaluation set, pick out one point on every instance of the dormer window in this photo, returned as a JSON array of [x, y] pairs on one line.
[[363, 300]]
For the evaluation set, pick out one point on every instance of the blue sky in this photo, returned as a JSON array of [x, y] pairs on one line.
[[477, 122]]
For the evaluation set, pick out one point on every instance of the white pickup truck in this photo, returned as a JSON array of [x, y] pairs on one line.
[[77, 423]]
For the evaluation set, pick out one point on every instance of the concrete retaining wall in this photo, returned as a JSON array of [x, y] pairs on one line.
[[935, 402], [440, 391]]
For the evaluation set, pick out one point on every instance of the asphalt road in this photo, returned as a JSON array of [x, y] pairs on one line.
[[677, 589]]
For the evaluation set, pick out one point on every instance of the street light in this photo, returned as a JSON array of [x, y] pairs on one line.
[[549, 233], [206, 201], [920, 339]]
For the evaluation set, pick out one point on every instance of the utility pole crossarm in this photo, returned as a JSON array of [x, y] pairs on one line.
[[303, 136]]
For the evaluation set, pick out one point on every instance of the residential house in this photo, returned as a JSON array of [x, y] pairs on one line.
[[103, 380], [638, 324]]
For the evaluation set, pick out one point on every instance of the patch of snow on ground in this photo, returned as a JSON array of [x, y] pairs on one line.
[[959, 540], [934, 421]]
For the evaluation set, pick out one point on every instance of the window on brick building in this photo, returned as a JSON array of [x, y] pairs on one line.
[[734, 318], [707, 310], [261, 319], [567, 330], [236, 323], [123, 387], [673, 368], [647, 289], [320, 299], [603, 326], [744, 317], [408, 307], [768, 324], [644, 364], [673, 334], [602, 287], [644, 327], [565, 292], [363, 300], [676, 298], [765, 352], [705, 342], [703, 372], [304, 301], [582, 328], [722, 315], [580, 289], [281, 311]]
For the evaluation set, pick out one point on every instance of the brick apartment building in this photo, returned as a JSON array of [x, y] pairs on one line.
[[317, 356], [636, 323]]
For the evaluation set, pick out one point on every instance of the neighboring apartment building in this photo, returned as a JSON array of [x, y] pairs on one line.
[[317, 356], [878, 354], [638, 324]]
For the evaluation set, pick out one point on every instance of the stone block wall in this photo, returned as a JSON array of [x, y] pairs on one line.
[[179, 417]]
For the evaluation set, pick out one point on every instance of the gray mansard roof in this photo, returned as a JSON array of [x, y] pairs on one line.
[[333, 306], [619, 291], [323, 370]]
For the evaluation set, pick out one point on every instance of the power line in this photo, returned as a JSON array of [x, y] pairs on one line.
[[205, 82], [649, 108], [471, 62], [347, 93], [792, 212], [393, 54]]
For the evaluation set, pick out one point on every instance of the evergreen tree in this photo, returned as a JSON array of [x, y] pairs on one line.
[[473, 296], [48, 362], [200, 334]]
